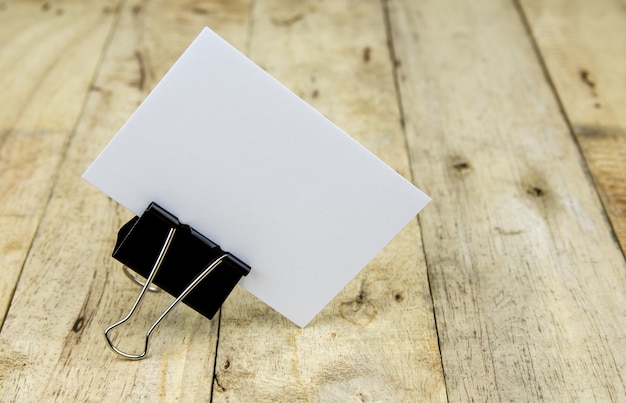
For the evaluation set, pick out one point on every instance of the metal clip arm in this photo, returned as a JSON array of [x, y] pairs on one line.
[[147, 286]]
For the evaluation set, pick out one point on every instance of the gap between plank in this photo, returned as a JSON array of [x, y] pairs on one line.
[[217, 344], [546, 73], [396, 82], [248, 46], [250, 27]]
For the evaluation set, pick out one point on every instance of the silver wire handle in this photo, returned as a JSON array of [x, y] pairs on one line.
[[146, 286], [130, 275]]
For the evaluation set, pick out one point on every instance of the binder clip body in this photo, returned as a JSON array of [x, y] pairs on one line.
[[177, 259]]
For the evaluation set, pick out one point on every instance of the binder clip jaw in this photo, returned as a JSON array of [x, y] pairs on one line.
[[177, 259]]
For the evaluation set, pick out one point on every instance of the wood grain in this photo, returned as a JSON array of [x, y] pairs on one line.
[[376, 340], [43, 87], [528, 285], [71, 289], [584, 48]]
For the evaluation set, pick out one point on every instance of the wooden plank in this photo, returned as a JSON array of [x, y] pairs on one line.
[[376, 340], [584, 47], [71, 289], [42, 94], [528, 285]]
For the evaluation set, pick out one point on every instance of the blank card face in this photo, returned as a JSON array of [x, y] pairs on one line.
[[233, 153]]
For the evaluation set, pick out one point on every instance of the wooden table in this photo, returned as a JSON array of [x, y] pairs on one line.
[[510, 286]]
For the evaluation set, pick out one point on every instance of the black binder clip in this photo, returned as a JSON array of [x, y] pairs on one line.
[[177, 259]]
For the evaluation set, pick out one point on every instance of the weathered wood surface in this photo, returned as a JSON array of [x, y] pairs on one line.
[[52, 340], [511, 287], [335, 55], [584, 47], [529, 286], [42, 86]]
